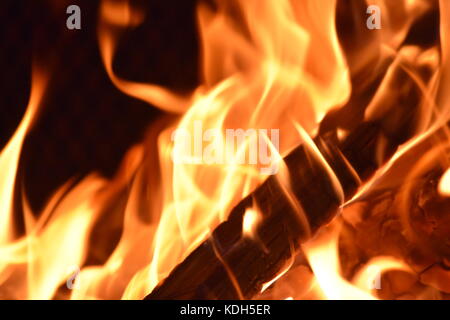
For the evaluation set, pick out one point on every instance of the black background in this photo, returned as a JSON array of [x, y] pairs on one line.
[[85, 123]]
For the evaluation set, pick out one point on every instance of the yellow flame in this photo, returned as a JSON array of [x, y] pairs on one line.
[[53, 244], [250, 222], [444, 184], [369, 276], [281, 60], [9, 156], [322, 254], [115, 15], [249, 82]]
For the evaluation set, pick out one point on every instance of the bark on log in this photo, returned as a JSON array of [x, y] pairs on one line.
[[231, 266]]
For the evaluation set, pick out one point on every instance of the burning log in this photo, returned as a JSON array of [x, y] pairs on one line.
[[229, 265], [322, 174]]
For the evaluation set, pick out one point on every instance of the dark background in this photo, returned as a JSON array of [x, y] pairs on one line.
[[85, 123]]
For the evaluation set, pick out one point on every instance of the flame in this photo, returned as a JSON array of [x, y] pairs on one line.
[[70, 223], [323, 256], [9, 157], [324, 260], [64, 218], [249, 82], [279, 72], [113, 16], [444, 184], [250, 222], [369, 277]]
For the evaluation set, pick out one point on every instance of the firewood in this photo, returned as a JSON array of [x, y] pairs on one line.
[[229, 265]]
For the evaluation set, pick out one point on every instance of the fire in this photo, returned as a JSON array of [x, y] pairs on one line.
[[278, 68], [9, 158], [119, 14], [251, 219], [330, 283], [249, 82], [328, 275], [444, 184]]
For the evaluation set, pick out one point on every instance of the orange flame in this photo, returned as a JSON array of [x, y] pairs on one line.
[[9, 157], [262, 62], [323, 257]]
